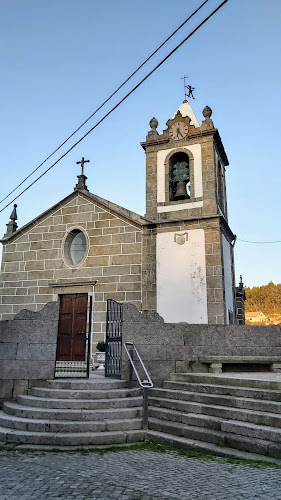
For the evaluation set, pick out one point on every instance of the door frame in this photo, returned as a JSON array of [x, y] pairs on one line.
[[63, 369]]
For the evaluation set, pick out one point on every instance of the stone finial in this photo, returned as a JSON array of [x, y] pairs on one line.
[[207, 112], [153, 125], [81, 184], [12, 225], [207, 123], [241, 284]]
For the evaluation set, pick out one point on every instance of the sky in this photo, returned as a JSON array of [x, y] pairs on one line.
[[60, 59]]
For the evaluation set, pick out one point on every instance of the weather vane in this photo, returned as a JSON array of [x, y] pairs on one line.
[[188, 89]]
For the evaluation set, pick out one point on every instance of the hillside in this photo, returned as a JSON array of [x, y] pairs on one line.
[[266, 298]]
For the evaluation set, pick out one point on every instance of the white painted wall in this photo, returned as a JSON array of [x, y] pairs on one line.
[[181, 277], [195, 149], [186, 110], [179, 206], [226, 252]]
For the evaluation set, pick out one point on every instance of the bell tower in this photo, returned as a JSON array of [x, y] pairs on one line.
[[185, 168], [186, 200]]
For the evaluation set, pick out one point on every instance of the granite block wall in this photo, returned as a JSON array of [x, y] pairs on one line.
[[27, 350], [177, 347], [35, 269]]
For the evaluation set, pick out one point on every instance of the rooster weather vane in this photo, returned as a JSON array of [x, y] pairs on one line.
[[188, 89]]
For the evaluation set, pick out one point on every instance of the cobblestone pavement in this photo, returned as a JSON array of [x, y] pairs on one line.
[[131, 475]]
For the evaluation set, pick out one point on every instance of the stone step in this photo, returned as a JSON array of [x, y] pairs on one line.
[[186, 418], [87, 394], [17, 410], [201, 446], [46, 447], [244, 443], [70, 439], [36, 425], [227, 413], [97, 383], [248, 429], [79, 403], [261, 446], [188, 431], [208, 378], [218, 400], [226, 390], [264, 432]]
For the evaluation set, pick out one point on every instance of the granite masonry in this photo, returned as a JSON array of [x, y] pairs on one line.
[[27, 350], [176, 260], [168, 348]]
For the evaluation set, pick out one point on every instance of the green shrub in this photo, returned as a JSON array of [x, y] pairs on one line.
[[101, 346]]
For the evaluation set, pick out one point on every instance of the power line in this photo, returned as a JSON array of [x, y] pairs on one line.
[[120, 102], [208, 226], [115, 92], [259, 242]]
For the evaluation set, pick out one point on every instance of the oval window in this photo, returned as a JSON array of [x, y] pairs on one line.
[[76, 246]]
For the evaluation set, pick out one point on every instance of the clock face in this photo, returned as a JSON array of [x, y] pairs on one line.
[[178, 131]]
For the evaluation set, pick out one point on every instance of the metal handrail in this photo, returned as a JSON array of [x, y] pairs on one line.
[[145, 384]]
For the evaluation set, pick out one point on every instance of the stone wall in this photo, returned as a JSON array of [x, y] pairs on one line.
[[175, 348], [35, 271], [204, 148], [27, 350]]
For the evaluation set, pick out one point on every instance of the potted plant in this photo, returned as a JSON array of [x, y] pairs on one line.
[[101, 354]]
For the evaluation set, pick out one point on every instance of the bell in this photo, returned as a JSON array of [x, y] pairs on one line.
[[181, 192]]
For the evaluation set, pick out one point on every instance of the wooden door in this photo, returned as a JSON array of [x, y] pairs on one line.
[[71, 345]]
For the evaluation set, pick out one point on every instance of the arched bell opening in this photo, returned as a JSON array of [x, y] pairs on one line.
[[179, 177]]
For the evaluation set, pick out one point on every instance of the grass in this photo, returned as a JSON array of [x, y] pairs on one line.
[[152, 446]]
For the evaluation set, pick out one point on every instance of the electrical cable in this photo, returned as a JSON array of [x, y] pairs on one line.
[[236, 237], [115, 92], [259, 242], [120, 102]]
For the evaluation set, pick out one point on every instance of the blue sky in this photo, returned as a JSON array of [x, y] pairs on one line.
[[61, 58]]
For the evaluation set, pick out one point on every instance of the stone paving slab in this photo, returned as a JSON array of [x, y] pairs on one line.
[[131, 475]]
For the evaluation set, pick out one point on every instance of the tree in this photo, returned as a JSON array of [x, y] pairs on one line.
[[266, 298]]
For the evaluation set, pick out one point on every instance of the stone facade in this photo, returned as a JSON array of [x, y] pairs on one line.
[[206, 207], [35, 270], [123, 254]]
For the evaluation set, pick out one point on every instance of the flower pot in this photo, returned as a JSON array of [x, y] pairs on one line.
[[100, 360]]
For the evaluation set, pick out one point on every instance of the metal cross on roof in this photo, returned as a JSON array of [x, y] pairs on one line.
[[82, 162]]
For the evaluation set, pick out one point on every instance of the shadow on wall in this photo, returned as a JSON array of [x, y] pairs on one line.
[[27, 349]]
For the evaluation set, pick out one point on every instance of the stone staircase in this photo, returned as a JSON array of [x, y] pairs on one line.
[[221, 415], [226, 416], [74, 413]]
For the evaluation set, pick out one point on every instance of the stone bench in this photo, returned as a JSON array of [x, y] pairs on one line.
[[215, 362]]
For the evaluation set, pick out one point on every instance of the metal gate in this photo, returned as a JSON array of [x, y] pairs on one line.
[[113, 352]]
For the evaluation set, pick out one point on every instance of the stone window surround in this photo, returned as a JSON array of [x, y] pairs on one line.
[[167, 175], [64, 247], [220, 170], [184, 203]]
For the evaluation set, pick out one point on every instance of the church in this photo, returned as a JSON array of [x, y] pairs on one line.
[[177, 259]]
